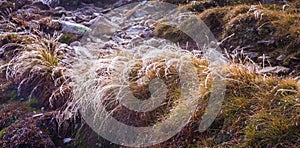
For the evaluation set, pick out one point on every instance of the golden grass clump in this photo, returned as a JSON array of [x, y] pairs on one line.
[[38, 69], [134, 71], [257, 109]]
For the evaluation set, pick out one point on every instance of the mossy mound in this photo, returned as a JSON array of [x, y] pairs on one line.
[[171, 33], [32, 131], [263, 29]]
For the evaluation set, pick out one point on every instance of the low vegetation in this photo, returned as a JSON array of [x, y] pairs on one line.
[[255, 29], [42, 89]]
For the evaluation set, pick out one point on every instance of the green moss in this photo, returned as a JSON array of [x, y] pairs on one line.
[[12, 94], [32, 102], [68, 38], [2, 132], [267, 129]]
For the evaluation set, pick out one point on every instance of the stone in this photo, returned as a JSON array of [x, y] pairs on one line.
[[41, 5], [135, 30], [51, 3], [73, 28], [67, 140], [147, 34], [76, 43], [251, 54], [281, 57]]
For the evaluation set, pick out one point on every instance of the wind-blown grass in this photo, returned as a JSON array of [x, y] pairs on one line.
[[37, 67], [257, 109]]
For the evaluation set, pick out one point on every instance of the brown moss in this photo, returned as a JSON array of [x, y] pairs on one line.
[[11, 112], [25, 134], [235, 11], [213, 18], [176, 1], [199, 6], [48, 26], [267, 34], [261, 29], [171, 33]]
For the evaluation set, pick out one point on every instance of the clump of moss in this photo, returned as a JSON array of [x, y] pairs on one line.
[[235, 11], [277, 124], [31, 135], [200, 6], [255, 28], [265, 30], [176, 1], [48, 26], [68, 38], [213, 18], [12, 112], [32, 102], [171, 33]]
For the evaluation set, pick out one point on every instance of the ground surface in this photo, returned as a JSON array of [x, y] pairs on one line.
[[261, 106]]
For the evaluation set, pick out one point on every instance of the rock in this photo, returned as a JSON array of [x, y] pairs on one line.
[[274, 70], [73, 28], [31, 9], [281, 57], [153, 42], [41, 5], [68, 2], [76, 43], [251, 54], [104, 29], [59, 9], [51, 3], [91, 22], [135, 30], [67, 140], [147, 34]]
